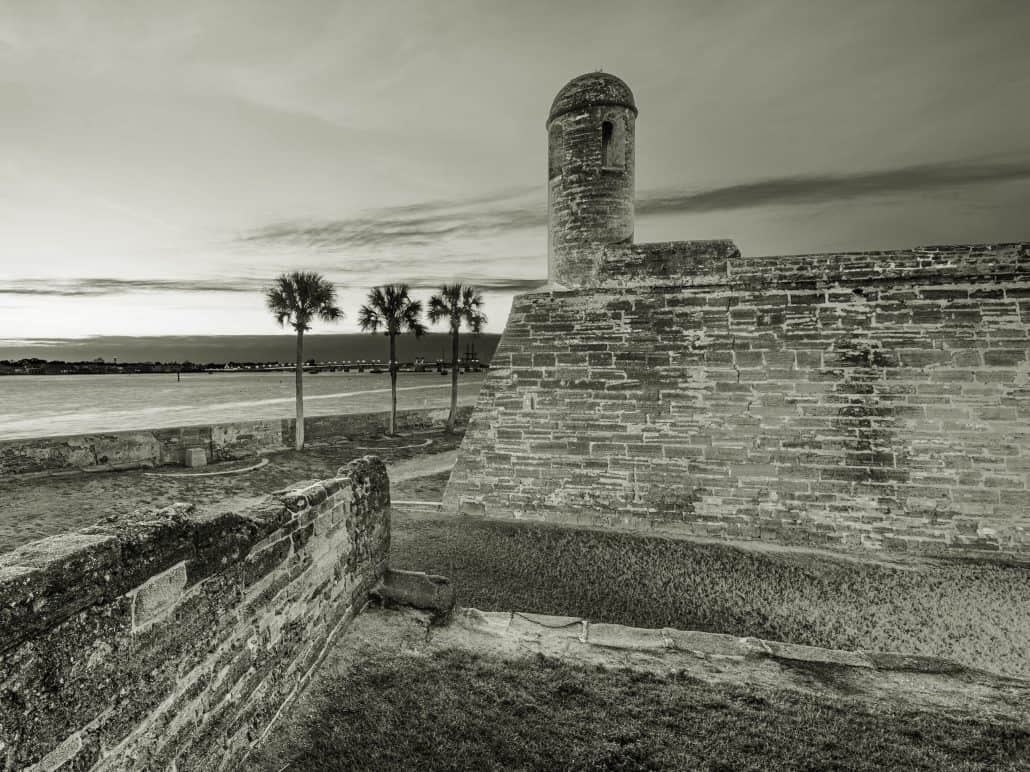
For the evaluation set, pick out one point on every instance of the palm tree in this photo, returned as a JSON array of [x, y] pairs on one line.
[[297, 298], [392, 310], [457, 303]]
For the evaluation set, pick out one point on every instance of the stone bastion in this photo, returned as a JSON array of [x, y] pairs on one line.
[[878, 399]]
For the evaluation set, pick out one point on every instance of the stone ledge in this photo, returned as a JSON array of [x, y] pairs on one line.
[[718, 265], [712, 646], [46, 582]]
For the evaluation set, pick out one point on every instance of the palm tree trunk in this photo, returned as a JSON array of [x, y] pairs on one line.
[[300, 390], [452, 417], [393, 384]]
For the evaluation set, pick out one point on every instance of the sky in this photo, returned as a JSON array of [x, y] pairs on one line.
[[161, 162]]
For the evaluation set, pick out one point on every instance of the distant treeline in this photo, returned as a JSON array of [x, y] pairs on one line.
[[219, 350], [35, 366]]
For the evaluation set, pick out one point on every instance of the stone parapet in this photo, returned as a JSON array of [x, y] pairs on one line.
[[176, 636], [221, 442]]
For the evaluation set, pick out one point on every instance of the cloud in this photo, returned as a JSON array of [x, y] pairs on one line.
[[824, 188], [442, 223], [92, 287], [96, 287], [484, 283], [413, 225], [430, 223]]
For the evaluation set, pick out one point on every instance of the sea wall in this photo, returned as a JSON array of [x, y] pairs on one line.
[[223, 442], [878, 399], [171, 639]]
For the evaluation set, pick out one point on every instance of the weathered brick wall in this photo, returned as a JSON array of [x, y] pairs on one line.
[[176, 636], [876, 399], [687, 263], [223, 442]]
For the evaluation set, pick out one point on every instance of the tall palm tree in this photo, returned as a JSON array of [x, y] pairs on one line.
[[391, 309], [457, 303], [295, 299]]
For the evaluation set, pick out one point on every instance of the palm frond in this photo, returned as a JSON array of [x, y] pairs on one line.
[[369, 319], [458, 303], [299, 296], [391, 308]]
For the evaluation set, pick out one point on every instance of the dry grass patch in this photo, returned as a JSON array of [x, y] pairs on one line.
[[456, 710]]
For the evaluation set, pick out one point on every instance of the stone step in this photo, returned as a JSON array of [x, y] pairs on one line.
[[417, 507]]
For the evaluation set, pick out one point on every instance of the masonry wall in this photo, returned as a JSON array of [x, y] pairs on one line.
[[176, 636], [223, 442], [875, 399], [589, 204]]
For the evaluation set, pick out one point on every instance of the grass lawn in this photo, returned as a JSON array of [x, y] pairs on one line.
[[975, 613], [458, 710]]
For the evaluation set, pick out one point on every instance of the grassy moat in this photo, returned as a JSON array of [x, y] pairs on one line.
[[460, 710], [975, 613]]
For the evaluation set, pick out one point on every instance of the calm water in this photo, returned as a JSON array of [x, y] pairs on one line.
[[46, 405]]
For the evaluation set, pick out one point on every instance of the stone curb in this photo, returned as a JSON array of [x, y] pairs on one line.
[[573, 631]]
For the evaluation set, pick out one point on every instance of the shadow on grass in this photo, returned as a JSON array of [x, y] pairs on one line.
[[456, 710]]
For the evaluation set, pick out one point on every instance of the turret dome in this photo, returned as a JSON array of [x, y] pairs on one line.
[[593, 88]]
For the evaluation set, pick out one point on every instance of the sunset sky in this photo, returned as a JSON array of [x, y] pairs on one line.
[[158, 167]]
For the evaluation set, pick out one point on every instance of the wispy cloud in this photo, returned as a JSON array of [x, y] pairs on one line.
[[824, 188], [486, 283], [91, 287], [384, 238], [413, 225], [96, 287], [430, 223]]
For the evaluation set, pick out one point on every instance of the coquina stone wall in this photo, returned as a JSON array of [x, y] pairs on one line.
[[879, 399], [171, 639], [223, 442]]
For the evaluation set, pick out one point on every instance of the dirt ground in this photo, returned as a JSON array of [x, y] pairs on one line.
[[37, 507]]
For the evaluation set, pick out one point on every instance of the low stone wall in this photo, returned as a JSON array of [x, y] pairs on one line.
[[223, 442], [172, 639]]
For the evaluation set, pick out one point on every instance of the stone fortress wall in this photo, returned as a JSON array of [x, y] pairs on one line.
[[222, 442], [875, 399], [172, 639]]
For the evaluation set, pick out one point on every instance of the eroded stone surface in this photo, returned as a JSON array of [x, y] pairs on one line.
[[175, 635], [418, 589]]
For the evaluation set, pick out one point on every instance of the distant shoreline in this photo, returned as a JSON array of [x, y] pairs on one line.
[[46, 367], [219, 350]]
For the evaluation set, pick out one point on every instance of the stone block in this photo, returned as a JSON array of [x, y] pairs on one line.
[[419, 590], [195, 457], [155, 598], [62, 754]]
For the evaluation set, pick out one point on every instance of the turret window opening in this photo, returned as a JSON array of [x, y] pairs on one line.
[[557, 148], [611, 146]]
